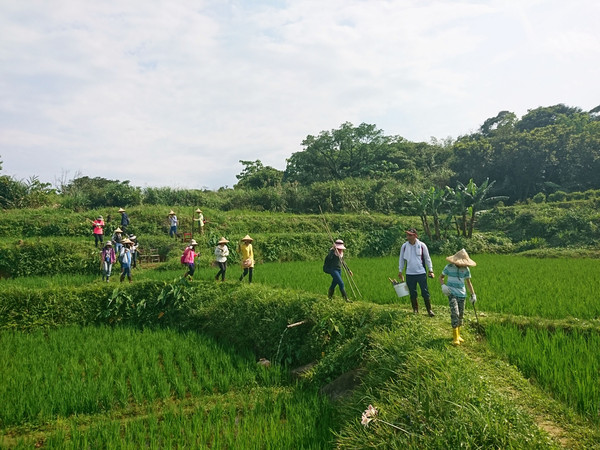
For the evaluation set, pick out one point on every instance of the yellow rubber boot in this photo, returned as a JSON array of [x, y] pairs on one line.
[[461, 340], [455, 336]]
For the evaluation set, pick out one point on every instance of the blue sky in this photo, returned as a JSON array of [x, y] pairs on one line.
[[175, 93]]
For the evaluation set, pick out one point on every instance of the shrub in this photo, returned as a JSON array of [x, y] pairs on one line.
[[540, 197], [558, 196]]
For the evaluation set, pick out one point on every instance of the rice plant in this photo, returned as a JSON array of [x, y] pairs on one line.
[[564, 362]]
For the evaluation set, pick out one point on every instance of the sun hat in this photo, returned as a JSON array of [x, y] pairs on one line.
[[412, 231], [247, 238], [461, 258], [223, 241], [100, 218], [108, 243], [171, 213], [133, 237], [339, 244], [118, 230], [121, 210], [198, 210], [193, 242], [126, 241]]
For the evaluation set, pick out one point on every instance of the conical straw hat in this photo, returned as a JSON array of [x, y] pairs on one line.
[[461, 258], [247, 238], [223, 241]]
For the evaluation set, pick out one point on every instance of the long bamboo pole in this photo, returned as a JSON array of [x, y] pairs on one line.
[[351, 282]]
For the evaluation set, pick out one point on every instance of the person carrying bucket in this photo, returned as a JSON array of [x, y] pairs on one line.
[[414, 254], [458, 275], [333, 266]]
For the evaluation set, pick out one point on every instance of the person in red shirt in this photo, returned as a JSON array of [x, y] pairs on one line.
[[98, 230]]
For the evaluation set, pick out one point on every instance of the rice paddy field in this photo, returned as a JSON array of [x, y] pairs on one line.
[[96, 387], [99, 387]]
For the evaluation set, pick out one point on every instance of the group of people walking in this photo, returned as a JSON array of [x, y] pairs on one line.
[[415, 262], [221, 253], [124, 248]]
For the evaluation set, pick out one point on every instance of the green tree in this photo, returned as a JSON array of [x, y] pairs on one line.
[[257, 176], [337, 154]]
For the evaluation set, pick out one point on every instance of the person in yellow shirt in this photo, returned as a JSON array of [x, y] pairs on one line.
[[247, 255]]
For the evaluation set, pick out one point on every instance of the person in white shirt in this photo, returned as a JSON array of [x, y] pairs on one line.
[[221, 254], [414, 255], [173, 222]]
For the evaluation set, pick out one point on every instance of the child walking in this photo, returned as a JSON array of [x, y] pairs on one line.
[[458, 275]]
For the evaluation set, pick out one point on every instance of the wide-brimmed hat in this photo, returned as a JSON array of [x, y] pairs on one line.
[[247, 238], [121, 210], [193, 242], [108, 243], [412, 231], [198, 210], [126, 241], [339, 244], [118, 230], [100, 218], [171, 213], [461, 258], [133, 237], [223, 241]]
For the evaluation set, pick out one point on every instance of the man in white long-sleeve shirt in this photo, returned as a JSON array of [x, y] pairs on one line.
[[414, 254]]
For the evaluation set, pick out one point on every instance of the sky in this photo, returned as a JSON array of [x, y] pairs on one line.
[[176, 92]]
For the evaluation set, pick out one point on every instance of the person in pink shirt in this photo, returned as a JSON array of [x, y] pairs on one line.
[[188, 258], [98, 230]]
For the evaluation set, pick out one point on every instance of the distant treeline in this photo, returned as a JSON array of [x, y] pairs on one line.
[[548, 153]]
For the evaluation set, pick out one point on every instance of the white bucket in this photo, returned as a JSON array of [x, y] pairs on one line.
[[401, 289]]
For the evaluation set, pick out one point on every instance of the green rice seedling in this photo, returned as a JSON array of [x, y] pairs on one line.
[[258, 418], [88, 370], [565, 363]]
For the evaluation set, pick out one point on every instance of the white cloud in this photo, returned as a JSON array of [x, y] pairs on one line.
[[175, 93]]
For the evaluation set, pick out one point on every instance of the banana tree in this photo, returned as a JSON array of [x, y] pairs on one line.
[[471, 199]]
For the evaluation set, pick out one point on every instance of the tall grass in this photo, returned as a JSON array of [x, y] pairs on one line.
[[113, 387], [72, 370], [548, 288], [566, 363]]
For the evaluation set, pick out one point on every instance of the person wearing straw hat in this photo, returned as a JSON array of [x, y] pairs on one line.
[[188, 258], [334, 261], [108, 258], [124, 220], [117, 239], [134, 250], [173, 223], [200, 220], [98, 231], [457, 275], [247, 256], [414, 254], [125, 260], [221, 254]]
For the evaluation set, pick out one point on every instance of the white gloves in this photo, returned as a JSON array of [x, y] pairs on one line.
[[445, 289], [473, 298]]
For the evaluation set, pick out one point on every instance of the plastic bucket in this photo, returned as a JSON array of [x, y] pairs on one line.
[[401, 289]]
